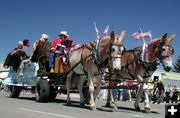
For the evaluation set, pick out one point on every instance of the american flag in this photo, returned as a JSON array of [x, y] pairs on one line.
[[141, 35]]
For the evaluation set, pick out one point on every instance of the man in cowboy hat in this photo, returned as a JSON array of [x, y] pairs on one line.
[[57, 47], [44, 38]]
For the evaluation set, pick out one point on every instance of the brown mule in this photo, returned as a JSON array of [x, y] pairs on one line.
[[133, 68], [84, 62]]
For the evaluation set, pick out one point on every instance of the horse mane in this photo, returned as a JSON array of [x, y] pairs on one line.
[[152, 45]]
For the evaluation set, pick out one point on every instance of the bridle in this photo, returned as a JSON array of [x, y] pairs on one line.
[[160, 50], [120, 52], [100, 62]]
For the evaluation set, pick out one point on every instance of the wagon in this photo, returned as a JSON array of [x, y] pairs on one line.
[[50, 84], [14, 84], [44, 85]]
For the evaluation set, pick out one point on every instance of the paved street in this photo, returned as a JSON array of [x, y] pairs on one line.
[[27, 107]]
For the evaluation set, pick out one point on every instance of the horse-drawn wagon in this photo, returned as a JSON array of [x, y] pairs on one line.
[[88, 60]]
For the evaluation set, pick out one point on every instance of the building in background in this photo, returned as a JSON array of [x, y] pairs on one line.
[[168, 78]]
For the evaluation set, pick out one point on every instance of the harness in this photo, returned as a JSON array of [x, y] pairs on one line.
[[159, 47], [94, 56], [149, 67], [81, 61]]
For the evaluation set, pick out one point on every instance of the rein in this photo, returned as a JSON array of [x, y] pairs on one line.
[[77, 64], [92, 55], [147, 66]]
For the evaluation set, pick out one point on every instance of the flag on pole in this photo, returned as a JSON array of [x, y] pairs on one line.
[[141, 35]]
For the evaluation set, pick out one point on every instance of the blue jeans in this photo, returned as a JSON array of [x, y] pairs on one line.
[[51, 60]]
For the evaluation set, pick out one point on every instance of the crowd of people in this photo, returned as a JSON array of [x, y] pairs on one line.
[[158, 94], [58, 46]]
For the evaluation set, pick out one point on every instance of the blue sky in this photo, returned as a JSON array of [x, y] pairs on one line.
[[20, 19]]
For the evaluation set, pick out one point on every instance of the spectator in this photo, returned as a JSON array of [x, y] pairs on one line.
[[26, 44], [44, 38], [175, 94], [19, 47], [158, 91]]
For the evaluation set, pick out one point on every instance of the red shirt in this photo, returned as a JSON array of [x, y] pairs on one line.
[[55, 43]]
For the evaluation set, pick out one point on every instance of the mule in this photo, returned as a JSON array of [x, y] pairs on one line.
[[83, 62], [134, 68]]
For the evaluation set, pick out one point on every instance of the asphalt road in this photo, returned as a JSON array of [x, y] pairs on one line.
[[27, 107]]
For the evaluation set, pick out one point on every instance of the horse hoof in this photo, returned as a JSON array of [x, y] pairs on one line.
[[107, 104], [68, 103], [147, 110], [82, 104], [93, 108], [138, 109], [115, 108]]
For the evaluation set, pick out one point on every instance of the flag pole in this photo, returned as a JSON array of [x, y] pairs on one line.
[[143, 47], [151, 36], [97, 31], [141, 34]]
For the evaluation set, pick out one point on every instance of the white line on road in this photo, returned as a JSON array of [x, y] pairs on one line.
[[138, 116], [46, 113]]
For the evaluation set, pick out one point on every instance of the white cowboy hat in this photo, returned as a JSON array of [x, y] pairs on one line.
[[44, 36], [63, 33]]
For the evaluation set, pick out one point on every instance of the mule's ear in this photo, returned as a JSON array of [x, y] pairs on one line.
[[122, 35], [170, 38], [164, 36], [163, 40], [112, 35]]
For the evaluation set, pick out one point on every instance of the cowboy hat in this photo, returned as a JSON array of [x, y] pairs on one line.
[[63, 33], [44, 36]]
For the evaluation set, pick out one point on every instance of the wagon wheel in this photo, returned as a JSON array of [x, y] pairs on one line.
[[52, 93], [42, 90], [14, 91]]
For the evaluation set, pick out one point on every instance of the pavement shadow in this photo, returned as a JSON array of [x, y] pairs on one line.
[[77, 105], [133, 109], [124, 109], [27, 98], [61, 101], [23, 98], [74, 104]]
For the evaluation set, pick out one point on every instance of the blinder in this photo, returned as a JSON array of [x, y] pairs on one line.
[[121, 52], [160, 50]]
